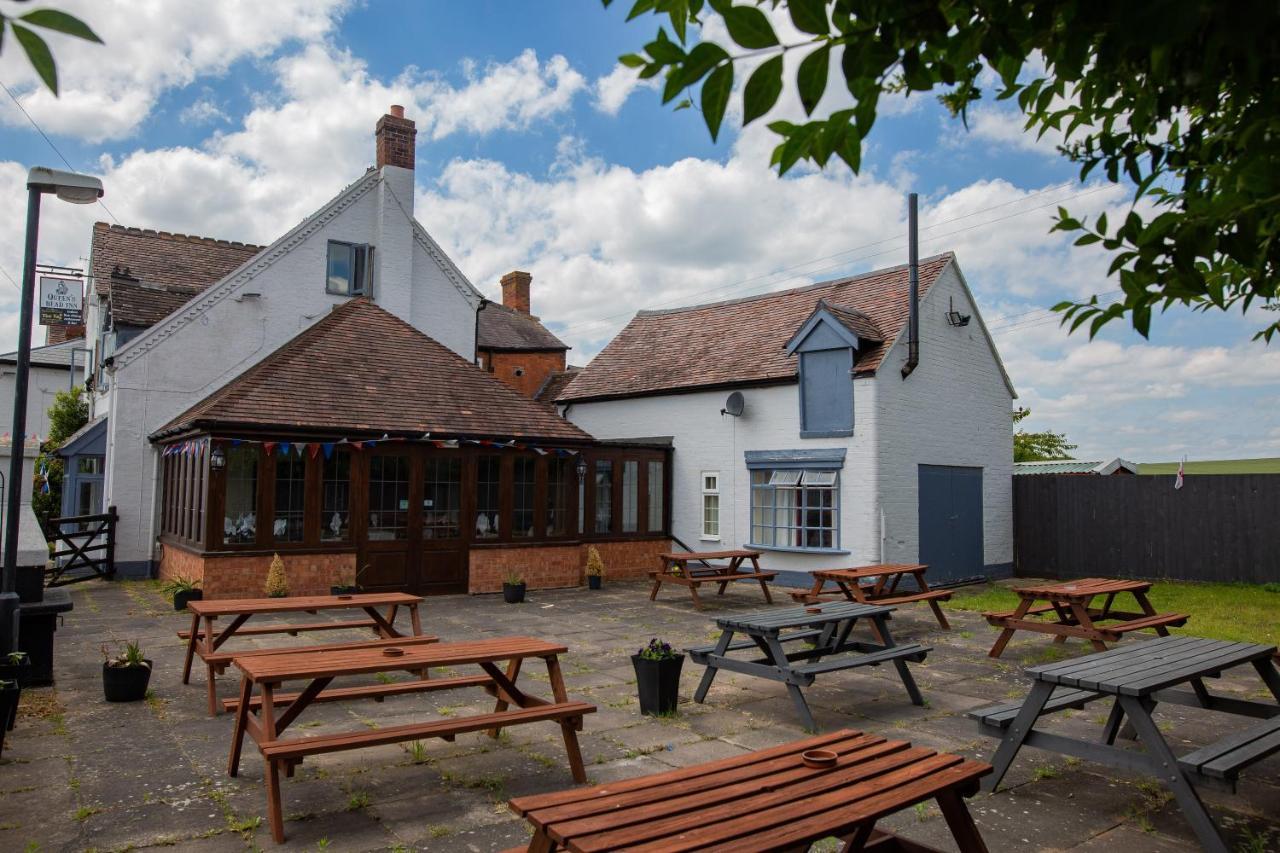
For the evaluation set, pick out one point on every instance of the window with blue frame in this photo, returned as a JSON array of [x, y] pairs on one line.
[[795, 508]]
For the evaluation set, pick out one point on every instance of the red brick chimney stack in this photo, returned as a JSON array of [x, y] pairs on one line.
[[515, 290], [395, 139]]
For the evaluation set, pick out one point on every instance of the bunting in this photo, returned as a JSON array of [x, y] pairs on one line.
[[315, 448]]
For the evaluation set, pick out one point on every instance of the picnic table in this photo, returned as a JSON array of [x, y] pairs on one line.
[[265, 714], [765, 800], [877, 584], [206, 640], [1137, 678], [826, 628], [1074, 616], [676, 568]]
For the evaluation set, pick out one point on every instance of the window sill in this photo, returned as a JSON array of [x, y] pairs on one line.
[[708, 538], [834, 433], [787, 549]]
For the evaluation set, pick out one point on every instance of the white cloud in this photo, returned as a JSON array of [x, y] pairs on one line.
[[203, 111], [613, 89]]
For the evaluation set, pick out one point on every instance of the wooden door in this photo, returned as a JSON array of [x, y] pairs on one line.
[[950, 513], [443, 559], [385, 546]]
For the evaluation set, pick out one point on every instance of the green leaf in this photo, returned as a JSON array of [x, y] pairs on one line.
[[705, 56], [640, 7], [809, 16], [811, 79], [682, 105], [632, 60], [664, 50], [38, 52], [51, 19], [715, 96], [762, 91], [749, 27]]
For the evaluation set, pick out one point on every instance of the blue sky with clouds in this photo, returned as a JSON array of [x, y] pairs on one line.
[[536, 150]]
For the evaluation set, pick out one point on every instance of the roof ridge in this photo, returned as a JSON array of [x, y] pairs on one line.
[[176, 236], [658, 312]]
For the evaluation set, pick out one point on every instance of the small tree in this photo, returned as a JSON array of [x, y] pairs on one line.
[[595, 565], [1038, 446], [69, 412], [277, 585]]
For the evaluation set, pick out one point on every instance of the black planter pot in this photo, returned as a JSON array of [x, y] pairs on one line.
[[125, 683], [658, 682], [513, 593], [29, 584], [594, 581], [181, 597], [21, 674], [339, 589], [8, 710]]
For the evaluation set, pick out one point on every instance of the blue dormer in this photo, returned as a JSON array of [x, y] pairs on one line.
[[827, 345]]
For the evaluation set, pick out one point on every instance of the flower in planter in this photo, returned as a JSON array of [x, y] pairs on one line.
[[277, 586], [514, 579], [658, 650], [131, 655]]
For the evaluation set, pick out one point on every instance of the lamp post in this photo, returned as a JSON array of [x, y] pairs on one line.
[[77, 189]]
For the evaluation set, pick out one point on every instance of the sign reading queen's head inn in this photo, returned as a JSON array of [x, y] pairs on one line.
[[60, 302]]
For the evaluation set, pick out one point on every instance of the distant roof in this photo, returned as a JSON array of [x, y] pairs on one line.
[[1265, 465], [742, 341], [362, 369], [505, 329], [54, 355], [555, 384], [1076, 466], [150, 274]]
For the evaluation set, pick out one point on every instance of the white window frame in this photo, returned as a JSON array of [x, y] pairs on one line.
[[713, 535]]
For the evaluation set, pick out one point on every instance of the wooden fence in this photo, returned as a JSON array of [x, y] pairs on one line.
[[1215, 528]]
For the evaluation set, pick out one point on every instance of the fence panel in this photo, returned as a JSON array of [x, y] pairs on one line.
[[1215, 528]]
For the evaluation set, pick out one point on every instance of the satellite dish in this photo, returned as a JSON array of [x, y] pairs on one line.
[[734, 405]]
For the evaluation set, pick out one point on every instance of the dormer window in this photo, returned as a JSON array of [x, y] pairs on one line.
[[826, 347], [350, 269]]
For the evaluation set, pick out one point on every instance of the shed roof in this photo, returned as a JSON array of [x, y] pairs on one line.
[[1075, 466], [742, 341], [500, 328], [361, 369]]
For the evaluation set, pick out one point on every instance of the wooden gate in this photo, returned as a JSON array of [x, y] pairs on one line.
[[90, 548]]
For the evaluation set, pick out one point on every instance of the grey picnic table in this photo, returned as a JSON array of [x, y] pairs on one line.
[[1137, 678], [827, 628]]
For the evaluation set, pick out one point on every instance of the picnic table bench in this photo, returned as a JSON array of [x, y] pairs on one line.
[[676, 569], [826, 628], [765, 800], [264, 714], [204, 639], [1137, 678], [1071, 603], [877, 584]]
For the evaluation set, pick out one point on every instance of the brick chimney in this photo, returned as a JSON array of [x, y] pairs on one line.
[[515, 290], [395, 139]]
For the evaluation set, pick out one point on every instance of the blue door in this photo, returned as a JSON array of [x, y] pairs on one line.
[[951, 522]]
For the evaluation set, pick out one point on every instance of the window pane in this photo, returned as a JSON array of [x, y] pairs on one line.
[[341, 268], [522, 481], [488, 479], [794, 509], [240, 521], [335, 502], [291, 481], [388, 497], [657, 494], [604, 495], [558, 473], [710, 515], [90, 464], [785, 478], [442, 498], [630, 496]]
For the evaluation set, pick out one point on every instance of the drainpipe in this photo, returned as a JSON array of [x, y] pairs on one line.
[[913, 267], [476, 349]]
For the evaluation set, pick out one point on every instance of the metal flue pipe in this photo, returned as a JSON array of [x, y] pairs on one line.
[[913, 272]]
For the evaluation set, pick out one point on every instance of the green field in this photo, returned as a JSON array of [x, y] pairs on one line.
[[1224, 611], [1215, 466]]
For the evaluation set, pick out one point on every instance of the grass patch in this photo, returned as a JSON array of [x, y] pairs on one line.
[[85, 812], [358, 800], [1222, 611]]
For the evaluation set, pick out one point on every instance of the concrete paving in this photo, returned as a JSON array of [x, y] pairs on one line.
[[80, 774]]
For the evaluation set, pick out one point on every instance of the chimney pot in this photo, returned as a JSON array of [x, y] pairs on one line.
[[395, 137], [397, 111], [515, 290]]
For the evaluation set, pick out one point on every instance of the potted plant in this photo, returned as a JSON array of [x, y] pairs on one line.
[[125, 676], [9, 693], [595, 568], [183, 590], [348, 588], [657, 668], [14, 667], [513, 588], [277, 585]]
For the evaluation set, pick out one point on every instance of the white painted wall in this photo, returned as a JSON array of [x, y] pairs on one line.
[[215, 338], [705, 440], [42, 385]]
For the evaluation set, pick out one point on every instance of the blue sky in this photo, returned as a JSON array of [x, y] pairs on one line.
[[535, 150]]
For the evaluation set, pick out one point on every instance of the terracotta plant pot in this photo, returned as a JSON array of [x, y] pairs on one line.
[[125, 683], [181, 597], [513, 593], [658, 682]]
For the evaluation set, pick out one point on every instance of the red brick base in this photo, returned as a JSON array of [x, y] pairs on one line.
[[563, 565], [243, 576]]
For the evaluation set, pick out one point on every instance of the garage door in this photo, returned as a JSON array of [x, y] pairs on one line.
[[951, 522]]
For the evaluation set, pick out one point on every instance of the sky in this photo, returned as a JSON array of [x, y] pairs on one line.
[[537, 151]]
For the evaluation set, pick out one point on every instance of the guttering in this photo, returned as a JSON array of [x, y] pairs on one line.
[[913, 273]]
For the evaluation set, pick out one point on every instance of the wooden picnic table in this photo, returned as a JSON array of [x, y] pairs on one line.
[[877, 584], [205, 640], [826, 628], [267, 714], [1137, 677], [765, 800], [676, 568], [1070, 602]]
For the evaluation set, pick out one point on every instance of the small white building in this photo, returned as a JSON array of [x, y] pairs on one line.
[[51, 372], [795, 431]]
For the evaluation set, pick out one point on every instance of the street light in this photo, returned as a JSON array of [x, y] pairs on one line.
[[77, 189]]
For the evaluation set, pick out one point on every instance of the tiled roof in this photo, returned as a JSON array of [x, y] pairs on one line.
[[162, 259], [54, 355], [742, 341], [133, 304], [556, 383], [505, 329], [362, 369], [855, 321]]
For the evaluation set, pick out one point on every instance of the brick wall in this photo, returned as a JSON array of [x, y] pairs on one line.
[[237, 576], [535, 367], [563, 565]]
